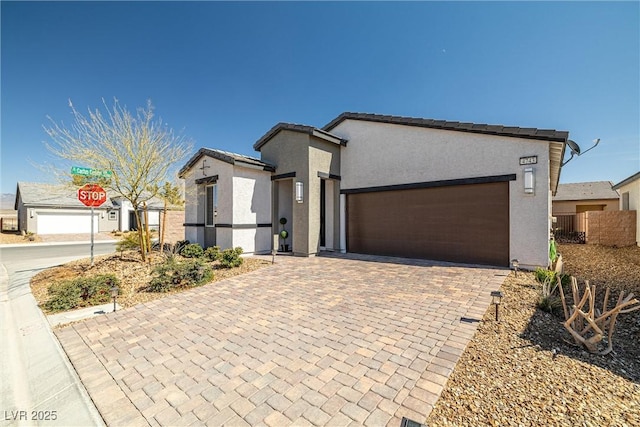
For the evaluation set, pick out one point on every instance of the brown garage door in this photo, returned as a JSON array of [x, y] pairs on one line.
[[459, 223]]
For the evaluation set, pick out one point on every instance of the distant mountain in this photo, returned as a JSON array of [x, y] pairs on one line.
[[7, 201]]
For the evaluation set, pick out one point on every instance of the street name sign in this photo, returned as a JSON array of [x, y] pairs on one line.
[[92, 195], [95, 173]]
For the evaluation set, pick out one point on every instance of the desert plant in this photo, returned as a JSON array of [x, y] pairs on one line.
[[192, 250], [177, 248], [174, 274], [212, 253], [129, 242], [81, 292], [230, 258], [547, 301]]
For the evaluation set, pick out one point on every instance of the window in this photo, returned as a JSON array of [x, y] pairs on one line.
[[625, 201], [112, 216], [211, 205]]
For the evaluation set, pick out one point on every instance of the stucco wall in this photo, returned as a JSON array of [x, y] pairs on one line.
[[633, 188], [251, 207], [195, 195], [323, 157], [380, 154], [568, 207], [174, 228], [289, 152]]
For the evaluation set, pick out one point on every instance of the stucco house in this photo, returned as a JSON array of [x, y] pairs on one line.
[[55, 209], [629, 189], [384, 185], [585, 196]]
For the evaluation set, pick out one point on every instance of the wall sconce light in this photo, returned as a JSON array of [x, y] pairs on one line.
[[114, 294], [215, 212], [101, 214], [299, 192], [515, 263], [31, 213], [496, 299], [529, 181]]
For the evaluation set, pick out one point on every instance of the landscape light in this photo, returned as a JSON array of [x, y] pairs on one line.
[[114, 294], [496, 299], [515, 263]]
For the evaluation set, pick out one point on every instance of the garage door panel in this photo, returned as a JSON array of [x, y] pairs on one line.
[[65, 223], [464, 223]]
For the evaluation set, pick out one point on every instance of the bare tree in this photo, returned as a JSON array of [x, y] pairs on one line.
[[138, 149]]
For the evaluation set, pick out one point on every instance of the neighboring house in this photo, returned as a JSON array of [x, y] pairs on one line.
[[55, 209], [630, 198], [383, 185], [126, 214], [581, 197]]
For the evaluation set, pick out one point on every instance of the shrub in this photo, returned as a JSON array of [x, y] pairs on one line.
[[185, 274], [212, 253], [230, 258], [81, 292], [193, 250], [180, 244], [543, 275], [129, 242], [549, 303]]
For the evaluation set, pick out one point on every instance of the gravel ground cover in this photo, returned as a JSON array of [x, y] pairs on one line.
[[525, 369], [133, 274]]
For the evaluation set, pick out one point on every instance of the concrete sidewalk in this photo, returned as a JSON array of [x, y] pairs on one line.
[[38, 384]]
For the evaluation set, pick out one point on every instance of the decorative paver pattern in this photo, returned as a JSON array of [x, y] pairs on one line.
[[307, 341]]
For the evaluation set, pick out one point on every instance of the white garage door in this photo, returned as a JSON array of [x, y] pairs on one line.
[[66, 223]]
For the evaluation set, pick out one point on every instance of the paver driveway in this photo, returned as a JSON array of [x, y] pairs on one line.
[[307, 341]]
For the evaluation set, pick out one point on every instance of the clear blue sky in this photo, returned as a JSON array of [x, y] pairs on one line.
[[225, 73]]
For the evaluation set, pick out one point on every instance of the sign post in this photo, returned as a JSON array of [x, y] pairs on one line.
[[92, 195]]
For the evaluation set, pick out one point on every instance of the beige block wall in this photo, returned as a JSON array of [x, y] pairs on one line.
[[569, 207], [174, 228], [611, 228]]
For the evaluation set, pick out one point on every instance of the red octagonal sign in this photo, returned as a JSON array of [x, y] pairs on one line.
[[92, 195]]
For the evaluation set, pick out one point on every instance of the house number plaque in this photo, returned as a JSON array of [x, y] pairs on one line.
[[529, 160]]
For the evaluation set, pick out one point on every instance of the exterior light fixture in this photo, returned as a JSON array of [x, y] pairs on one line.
[[529, 181], [299, 192], [31, 213], [515, 263], [496, 299], [215, 212], [114, 294]]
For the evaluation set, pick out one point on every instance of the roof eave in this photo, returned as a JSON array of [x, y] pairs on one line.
[[624, 182]]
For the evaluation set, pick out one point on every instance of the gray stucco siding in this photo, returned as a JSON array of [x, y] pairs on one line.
[[380, 154]]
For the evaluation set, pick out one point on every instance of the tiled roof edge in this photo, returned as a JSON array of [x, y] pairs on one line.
[[500, 130]]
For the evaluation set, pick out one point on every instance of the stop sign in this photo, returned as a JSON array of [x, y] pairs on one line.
[[92, 195]]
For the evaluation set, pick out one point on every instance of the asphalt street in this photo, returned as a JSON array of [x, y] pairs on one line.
[[38, 384]]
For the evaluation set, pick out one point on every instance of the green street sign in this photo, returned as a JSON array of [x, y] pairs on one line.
[[96, 173]]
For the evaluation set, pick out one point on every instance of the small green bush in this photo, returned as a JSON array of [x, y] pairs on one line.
[[212, 253], [193, 250], [180, 244], [64, 296], [129, 242], [550, 303], [231, 258], [81, 292], [543, 275], [174, 274]]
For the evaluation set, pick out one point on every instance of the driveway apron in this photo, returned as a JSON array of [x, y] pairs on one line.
[[307, 341]]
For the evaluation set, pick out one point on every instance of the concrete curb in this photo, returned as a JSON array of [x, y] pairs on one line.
[[87, 242]]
